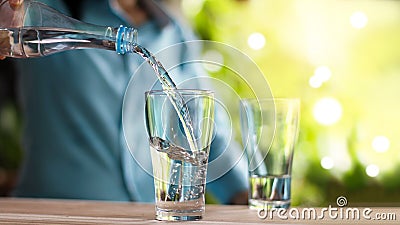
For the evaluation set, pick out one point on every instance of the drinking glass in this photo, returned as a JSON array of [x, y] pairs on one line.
[[269, 132], [180, 127]]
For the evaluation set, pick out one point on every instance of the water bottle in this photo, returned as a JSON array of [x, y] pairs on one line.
[[35, 29]]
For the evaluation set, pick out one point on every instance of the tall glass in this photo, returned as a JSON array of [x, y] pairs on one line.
[[269, 131], [179, 161]]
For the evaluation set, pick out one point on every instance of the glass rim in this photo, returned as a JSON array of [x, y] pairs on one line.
[[181, 91]]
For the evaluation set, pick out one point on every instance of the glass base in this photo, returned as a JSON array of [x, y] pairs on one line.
[[179, 216], [264, 204]]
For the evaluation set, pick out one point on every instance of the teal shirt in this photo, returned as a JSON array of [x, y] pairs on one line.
[[73, 134]]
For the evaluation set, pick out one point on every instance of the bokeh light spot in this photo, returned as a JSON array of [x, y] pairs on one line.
[[256, 41], [314, 82], [380, 143], [358, 20], [327, 111], [323, 73], [327, 163], [372, 170]]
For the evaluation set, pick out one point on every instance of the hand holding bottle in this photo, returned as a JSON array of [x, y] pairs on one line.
[[33, 29], [4, 35], [4, 44]]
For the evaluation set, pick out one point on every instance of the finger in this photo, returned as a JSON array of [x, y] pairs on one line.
[[15, 3], [2, 57]]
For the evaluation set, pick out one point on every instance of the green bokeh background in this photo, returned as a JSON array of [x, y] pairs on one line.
[[364, 63]]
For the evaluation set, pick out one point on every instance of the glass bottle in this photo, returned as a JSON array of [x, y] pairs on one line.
[[35, 29]]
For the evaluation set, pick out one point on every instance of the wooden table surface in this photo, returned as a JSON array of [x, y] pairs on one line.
[[47, 211]]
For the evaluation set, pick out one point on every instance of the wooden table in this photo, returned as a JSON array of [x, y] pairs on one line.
[[46, 211]]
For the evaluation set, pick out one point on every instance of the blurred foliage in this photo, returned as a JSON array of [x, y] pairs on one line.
[[10, 129], [359, 42], [11, 153]]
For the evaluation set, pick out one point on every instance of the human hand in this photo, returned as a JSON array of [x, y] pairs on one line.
[[15, 3], [4, 36], [4, 44]]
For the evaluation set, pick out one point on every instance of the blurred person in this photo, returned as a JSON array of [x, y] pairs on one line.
[[72, 102]]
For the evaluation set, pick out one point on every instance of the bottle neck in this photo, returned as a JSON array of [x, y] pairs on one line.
[[125, 39]]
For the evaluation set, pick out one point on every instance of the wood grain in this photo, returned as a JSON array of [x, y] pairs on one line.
[[54, 211]]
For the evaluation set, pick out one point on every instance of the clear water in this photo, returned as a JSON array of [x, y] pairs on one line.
[[269, 191], [169, 87], [183, 184], [176, 152]]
